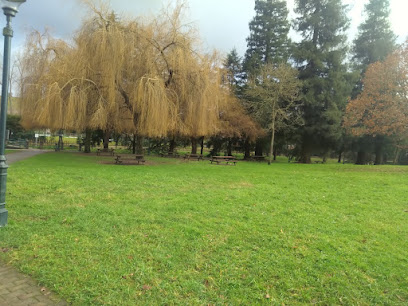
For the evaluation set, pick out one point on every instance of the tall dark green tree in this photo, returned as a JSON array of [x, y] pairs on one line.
[[320, 57], [268, 41], [375, 39], [374, 42]]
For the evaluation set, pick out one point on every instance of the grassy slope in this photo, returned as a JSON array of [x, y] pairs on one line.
[[196, 233]]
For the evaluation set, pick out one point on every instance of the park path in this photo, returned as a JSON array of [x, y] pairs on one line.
[[17, 289]]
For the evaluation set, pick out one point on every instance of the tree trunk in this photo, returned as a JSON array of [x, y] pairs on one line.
[[361, 158], [106, 136], [117, 141], [247, 149], [305, 155], [172, 145], [202, 145], [272, 143], [259, 147], [134, 144], [397, 155], [229, 147], [60, 142], [87, 141], [379, 154], [193, 145], [139, 144], [378, 157]]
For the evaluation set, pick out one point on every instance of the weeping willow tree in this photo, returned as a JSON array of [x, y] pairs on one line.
[[142, 77]]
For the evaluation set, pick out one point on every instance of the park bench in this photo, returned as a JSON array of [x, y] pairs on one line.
[[139, 159], [169, 154], [110, 152], [223, 159], [258, 157], [198, 157]]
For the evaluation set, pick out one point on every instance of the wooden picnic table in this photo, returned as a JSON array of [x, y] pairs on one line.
[[169, 154], [111, 152], [193, 156], [227, 159], [258, 157], [139, 159]]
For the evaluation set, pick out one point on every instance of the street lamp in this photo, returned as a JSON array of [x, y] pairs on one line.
[[10, 9]]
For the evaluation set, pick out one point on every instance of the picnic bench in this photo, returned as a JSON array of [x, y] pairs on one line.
[[139, 159], [198, 157], [319, 162], [258, 157], [169, 154], [220, 159], [110, 152]]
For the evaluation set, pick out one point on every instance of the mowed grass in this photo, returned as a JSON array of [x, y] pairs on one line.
[[174, 232]]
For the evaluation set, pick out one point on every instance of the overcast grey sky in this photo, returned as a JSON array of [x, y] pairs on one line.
[[223, 24]]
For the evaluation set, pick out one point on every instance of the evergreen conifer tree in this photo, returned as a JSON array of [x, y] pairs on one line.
[[320, 57], [233, 66], [268, 41], [375, 38]]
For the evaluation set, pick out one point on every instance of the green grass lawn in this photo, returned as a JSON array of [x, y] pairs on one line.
[[174, 232]]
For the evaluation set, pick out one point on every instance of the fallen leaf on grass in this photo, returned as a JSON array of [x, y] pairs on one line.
[[146, 287]]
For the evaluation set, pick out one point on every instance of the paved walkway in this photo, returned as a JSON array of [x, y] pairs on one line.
[[17, 289], [23, 154]]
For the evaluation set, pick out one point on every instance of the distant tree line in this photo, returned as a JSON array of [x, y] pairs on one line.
[[351, 99], [149, 79]]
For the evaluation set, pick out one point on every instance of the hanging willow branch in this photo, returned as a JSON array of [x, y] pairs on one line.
[[124, 75]]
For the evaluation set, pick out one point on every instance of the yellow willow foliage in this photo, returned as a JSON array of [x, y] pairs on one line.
[[235, 123], [150, 99], [124, 75]]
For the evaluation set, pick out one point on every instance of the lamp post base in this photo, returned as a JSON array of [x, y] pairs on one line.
[[3, 181], [3, 217]]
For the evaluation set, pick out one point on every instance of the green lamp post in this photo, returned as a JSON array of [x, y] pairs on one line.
[[10, 9]]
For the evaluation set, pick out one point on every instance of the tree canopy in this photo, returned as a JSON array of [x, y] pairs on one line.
[[268, 41], [273, 93], [320, 57], [382, 107], [147, 77], [375, 39]]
